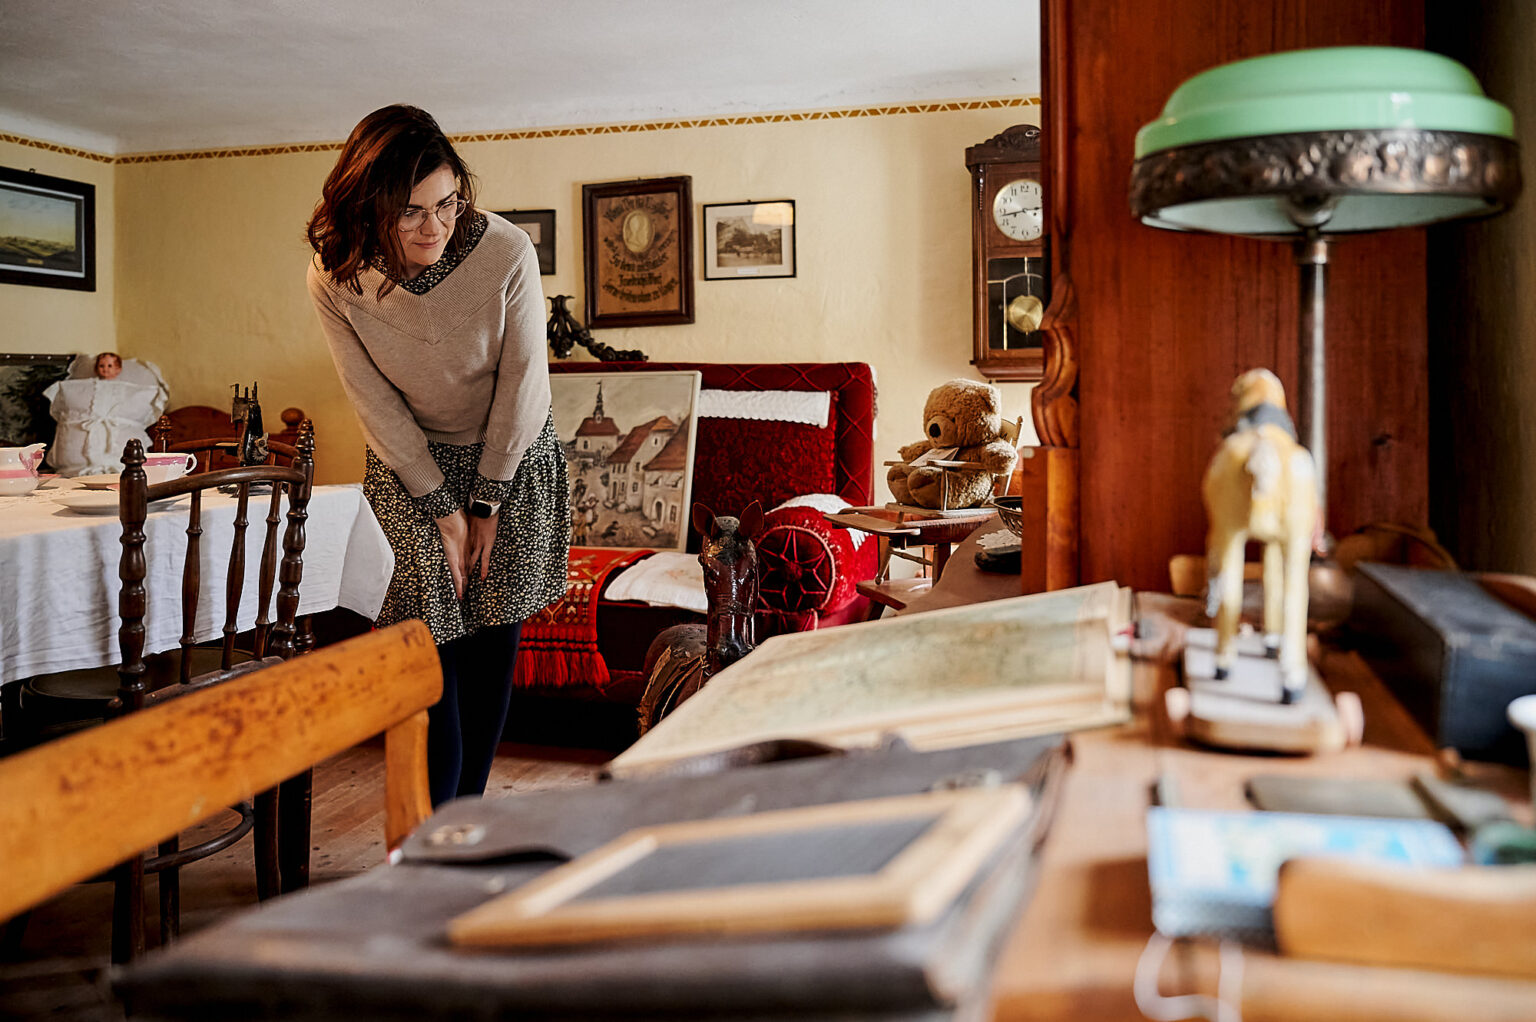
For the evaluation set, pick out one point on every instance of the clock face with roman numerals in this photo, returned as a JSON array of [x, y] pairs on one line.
[[1016, 209]]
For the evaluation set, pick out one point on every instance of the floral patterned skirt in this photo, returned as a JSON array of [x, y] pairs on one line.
[[528, 562]]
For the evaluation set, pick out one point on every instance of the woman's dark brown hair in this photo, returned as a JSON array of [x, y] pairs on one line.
[[387, 155]]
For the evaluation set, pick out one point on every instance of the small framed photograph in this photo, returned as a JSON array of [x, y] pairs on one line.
[[540, 226], [638, 237], [47, 231], [749, 239]]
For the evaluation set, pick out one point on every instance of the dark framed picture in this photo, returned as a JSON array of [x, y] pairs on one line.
[[749, 239], [47, 231], [24, 417], [540, 226], [638, 240]]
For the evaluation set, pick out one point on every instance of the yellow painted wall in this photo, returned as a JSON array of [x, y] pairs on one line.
[[212, 257], [48, 320]]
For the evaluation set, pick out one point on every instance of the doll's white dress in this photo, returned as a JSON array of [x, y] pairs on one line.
[[98, 417]]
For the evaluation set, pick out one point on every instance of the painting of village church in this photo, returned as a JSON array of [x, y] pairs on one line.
[[628, 440]]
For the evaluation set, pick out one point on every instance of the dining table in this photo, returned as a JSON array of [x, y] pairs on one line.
[[59, 571]]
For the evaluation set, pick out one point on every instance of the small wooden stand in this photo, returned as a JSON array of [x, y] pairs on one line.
[[897, 527], [1243, 711]]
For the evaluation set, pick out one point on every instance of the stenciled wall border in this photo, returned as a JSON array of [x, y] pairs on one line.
[[945, 106], [54, 147]]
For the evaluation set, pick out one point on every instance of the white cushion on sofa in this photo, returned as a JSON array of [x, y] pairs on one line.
[[668, 579], [812, 407]]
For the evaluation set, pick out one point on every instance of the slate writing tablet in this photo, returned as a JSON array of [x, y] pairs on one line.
[[873, 863]]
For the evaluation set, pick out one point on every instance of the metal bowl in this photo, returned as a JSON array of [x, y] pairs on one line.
[[1010, 510]]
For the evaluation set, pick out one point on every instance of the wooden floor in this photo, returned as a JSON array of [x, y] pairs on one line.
[[60, 970]]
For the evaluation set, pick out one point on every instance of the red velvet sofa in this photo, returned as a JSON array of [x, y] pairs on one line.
[[808, 569]]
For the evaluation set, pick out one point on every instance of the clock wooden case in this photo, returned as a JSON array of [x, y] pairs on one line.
[[1011, 272]]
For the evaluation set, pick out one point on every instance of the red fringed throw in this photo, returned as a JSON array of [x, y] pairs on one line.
[[559, 643]]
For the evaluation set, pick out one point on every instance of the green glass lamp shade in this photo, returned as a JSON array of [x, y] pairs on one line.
[[1344, 139]]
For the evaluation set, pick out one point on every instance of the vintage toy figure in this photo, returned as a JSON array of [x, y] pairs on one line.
[[1261, 486]]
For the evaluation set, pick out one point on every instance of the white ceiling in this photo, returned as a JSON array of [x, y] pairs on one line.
[[123, 76]]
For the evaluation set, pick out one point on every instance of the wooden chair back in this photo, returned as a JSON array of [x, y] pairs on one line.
[[214, 437], [76, 806], [271, 638]]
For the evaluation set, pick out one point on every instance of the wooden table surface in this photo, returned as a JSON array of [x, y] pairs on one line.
[[1075, 951], [899, 529], [964, 583]]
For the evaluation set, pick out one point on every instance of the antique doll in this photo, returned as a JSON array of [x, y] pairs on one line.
[[103, 403]]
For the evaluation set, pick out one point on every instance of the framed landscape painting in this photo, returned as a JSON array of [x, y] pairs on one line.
[[24, 417], [47, 231], [628, 441]]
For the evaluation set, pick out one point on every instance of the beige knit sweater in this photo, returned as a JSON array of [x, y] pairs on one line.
[[462, 363]]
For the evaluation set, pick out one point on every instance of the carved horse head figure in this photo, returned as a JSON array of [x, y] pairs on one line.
[[729, 559], [1261, 485], [682, 658]]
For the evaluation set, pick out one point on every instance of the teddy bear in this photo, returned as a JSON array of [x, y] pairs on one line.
[[961, 414]]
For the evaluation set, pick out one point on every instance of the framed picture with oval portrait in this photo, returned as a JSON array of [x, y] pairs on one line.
[[638, 240]]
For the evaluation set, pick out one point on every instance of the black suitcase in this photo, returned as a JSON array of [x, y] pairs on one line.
[[1454, 654]]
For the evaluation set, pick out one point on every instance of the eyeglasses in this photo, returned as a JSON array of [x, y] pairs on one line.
[[446, 211]]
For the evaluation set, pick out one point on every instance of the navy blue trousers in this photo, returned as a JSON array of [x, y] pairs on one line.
[[464, 728]]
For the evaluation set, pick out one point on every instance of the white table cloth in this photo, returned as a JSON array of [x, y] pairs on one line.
[[59, 584]]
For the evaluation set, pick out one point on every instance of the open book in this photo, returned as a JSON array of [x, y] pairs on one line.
[[985, 672]]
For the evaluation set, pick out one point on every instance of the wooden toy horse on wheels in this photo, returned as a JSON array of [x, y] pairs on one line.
[[1261, 485]]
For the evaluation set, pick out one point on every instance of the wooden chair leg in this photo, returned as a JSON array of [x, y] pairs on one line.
[[128, 910], [305, 640], [19, 734], [11, 936], [294, 803], [10, 717], [268, 875], [407, 799], [169, 884]]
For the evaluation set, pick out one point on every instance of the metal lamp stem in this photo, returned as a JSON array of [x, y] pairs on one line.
[[1312, 398]]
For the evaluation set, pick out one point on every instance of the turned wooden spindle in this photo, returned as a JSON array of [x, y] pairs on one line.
[[291, 569]]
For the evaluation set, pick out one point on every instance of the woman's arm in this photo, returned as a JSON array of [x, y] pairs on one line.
[[392, 431], [520, 405], [388, 425]]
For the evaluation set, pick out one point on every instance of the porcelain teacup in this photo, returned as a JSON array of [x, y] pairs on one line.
[[18, 469], [160, 467]]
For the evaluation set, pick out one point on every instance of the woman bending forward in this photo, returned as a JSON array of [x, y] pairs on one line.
[[435, 319]]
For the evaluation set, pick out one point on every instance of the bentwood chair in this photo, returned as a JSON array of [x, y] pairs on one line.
[[206, 434], [49, 706], [213, 436]]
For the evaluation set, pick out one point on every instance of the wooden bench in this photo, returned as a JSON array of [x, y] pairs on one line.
[[80, 805]]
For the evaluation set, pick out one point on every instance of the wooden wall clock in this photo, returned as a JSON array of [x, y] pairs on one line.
[[1010, 244]]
